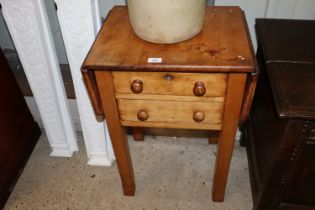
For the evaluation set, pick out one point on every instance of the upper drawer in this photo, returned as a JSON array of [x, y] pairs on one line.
[[177, 84]]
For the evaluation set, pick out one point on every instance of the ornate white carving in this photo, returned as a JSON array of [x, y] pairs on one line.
[[80, 21], [28, 25]]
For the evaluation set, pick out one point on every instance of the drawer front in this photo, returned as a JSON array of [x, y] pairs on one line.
[[175, 84], [170, 114]]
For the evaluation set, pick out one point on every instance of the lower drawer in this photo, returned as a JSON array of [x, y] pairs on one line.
[[171, 114]]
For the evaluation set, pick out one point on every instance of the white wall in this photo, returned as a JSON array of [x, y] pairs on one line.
[[106, 5], [293, 9], [296, 9], [5, 39], [55, 29]]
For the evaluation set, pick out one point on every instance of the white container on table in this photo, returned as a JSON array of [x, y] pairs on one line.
[[166, 21]]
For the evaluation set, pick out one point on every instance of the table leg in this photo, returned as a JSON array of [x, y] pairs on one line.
[[233, 103], [213, 140], [137, 133], [116, 131]]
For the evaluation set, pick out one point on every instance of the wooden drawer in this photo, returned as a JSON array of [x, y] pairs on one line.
[[170, 114], [175, 84]]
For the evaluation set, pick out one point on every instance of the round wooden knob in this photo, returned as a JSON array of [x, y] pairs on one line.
[[199, 89], [142, 115], [136, 86], [199, 116]]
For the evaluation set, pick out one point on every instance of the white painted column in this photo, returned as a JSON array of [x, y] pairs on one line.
[[29, 28], [80, 21]]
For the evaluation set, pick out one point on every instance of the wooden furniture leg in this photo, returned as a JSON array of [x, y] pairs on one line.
[[137, 133], [212, 140], [235, 91], [116, 131]]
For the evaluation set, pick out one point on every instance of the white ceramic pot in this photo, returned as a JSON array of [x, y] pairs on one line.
[[166, 21]]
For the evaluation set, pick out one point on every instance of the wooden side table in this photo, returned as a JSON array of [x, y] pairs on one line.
[[201, 83]]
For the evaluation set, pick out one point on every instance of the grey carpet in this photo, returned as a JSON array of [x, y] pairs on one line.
[[171, 173]]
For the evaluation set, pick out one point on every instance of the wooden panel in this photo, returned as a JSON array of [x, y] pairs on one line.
[[179, 84], [287, 206], [196, 126], [220, 47], [170, 98], [19, 132], [282, 159], [177, 114], [93, 91], [193, 133], [293, 86], [301, 190], [262, 146], [296, 47]]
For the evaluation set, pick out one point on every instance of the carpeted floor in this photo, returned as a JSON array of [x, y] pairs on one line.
[[171, 173]]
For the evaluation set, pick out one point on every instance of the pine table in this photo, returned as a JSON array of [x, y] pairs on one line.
[[206, 83]]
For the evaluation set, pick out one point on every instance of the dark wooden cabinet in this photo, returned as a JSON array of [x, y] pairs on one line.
[[280, 135], [18, 131]]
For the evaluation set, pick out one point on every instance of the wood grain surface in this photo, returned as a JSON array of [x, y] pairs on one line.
[[177, 114], [169, 83], [220, 47]]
